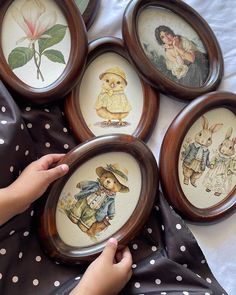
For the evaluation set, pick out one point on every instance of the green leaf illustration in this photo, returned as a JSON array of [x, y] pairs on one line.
[[56, 33], [19, 57], [55, 56]]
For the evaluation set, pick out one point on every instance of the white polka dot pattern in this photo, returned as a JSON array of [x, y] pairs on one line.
[[20, 255], [182, 248], [178, 226], [158, 281], [3, 251], [179, 278], [208, 280], [38, 258], [15, 279], [56, 283], [35, 282], [135, 246]]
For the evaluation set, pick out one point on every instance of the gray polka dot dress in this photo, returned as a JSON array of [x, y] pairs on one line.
[[166, 257]]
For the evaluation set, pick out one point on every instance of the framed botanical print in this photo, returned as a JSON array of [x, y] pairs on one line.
[[46, 53], [173, 48], [198, 173], [111, 98], [109, 191], [88, 9]]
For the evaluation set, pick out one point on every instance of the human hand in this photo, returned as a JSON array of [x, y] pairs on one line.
[[35, 179], [108, 274], [176, 41], [168, 46]]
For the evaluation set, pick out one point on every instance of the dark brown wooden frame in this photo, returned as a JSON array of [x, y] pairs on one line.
[[151, 97], [90, 12], [49, 237], [149, 72], [74, 67], [169, 156]]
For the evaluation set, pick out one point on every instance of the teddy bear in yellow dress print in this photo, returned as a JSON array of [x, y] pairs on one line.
[[112, 103]]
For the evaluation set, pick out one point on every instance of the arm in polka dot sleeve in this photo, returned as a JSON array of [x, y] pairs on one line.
[[111, 270], [30, 185]]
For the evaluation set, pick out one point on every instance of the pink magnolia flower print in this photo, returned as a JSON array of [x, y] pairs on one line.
[[34, 19], [40, 28]]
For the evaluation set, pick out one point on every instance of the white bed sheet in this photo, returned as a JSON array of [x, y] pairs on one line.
[[217, 241]]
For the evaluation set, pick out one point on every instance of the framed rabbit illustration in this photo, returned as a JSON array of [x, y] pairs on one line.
[[47, 51], [172, 47], [88, 9], [202, 165], [108, 192], [111, 98]]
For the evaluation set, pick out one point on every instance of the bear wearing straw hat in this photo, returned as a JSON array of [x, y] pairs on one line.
[[112, 103], [95, 203]]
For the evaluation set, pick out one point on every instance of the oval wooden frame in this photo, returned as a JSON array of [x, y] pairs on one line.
[[151, 97], [169, 156], [149, 72], [90, 12], [49, 237], [72, 71]]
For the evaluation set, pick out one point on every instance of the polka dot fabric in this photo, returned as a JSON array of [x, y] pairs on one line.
[[16, 147], [48, 129], [166, 257]]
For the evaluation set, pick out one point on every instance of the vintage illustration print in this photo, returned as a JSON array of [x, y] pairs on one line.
[[207, 163], [115, 102], [219, 178], [94, 205], [173, 47], [39, 32], [112, 103]]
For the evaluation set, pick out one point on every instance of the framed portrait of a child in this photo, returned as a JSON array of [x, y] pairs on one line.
[[179, 52]]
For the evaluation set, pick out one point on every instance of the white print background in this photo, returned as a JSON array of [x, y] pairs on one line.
[[12, 32], [125, 203], [91, 87], [150, 19], [198, 196]]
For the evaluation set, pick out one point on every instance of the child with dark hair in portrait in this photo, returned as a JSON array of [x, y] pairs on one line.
[[186, 64]]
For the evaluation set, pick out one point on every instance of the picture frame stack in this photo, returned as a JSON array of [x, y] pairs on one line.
[[111, 90]]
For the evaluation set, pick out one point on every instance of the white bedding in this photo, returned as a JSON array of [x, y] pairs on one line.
[[217, 241]]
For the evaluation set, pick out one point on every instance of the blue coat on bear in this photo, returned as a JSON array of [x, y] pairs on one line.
[[108, 206]]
